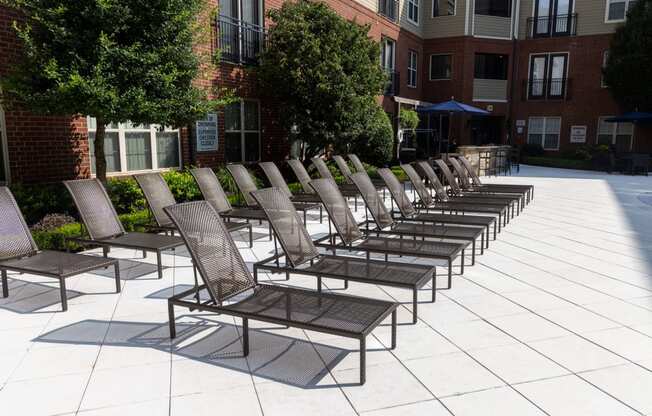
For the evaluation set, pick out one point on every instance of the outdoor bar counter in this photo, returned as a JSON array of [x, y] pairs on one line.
[[487, 159]]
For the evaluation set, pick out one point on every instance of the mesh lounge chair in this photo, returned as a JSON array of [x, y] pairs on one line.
[[359, 167], [19, 253], [304, 179], [352, 237], [346, 171], [233, 292], [214, 194], [409, 214], [246, 185], [477, 183], [347, 189], [104, 227], [302, 257], [428, 203], [158, 196]]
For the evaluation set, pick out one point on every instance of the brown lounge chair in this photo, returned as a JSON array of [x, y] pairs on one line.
[[359, 167], [246, 185], [104, 227], [347, 189], [158, 196], [301, 256], [19, 253], [304, 179], [234, 292], [214, 194], [528, 190], [346, 171], [351, 237], [276, 180]]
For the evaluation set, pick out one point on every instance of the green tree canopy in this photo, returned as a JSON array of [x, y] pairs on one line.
[[628, 71], [325, 73], [115, 60]]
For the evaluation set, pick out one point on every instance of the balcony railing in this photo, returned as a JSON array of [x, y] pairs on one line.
[[552, 26], [547, 89], [239, 42], [393, 87], [388, 9]]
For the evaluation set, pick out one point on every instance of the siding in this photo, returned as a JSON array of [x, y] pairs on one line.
[[489, 90], [444, 26], [492, 26]]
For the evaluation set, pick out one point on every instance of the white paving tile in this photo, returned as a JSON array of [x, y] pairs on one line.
[[617, 381], [497, 401]]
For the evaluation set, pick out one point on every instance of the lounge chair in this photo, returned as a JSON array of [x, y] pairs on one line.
[[19, 253], [214, 194], [426, 202], [477, 183], [301, 256], [304, 179], [346, 171], [234, 292], [409, 214], [104, 227], [359, 167], [158, 196], [353, 238], [347, 189]]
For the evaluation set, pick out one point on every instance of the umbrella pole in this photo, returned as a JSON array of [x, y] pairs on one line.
[[441, 135]]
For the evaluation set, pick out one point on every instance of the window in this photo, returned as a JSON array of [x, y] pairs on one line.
[[242, 131], [443, 8], [491, 66], [387, 8], [617, 134], [440, 67], [548, 76], [553, 17], [241, 34], [412, 69], [617, 9], [132, 147], [387, 53], [500, 8], [413, 11], [544, 131], [605, 58]]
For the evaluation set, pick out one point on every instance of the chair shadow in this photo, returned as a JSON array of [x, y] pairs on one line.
[[273, 357], [28, 297], [130, 270]]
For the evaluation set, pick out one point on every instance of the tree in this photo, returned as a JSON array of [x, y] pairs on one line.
[[325, 73], [627, 72], [115, 60]]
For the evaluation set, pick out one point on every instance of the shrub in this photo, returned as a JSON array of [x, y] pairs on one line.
[[125, 195], [400, 174], [53, 221], [182, 185], [409, 119], [36, 201], [375, 143]]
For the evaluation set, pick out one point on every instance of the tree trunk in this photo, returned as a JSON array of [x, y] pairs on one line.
[[100, 158]]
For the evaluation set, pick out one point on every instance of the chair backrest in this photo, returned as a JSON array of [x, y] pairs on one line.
[[338, 210], [275, 177], [212, 249], [357, 163], [374, 203], [469, 168], [450, 178], [158, 196], [440, 191], [322, 168], [419, 186], [287, 225], [302, 175], [398, 193], [15, 238], [343, 167], [461, 172], [244, 182], [211, 189], [95, 208]]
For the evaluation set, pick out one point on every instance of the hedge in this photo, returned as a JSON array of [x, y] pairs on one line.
[[555, 162]]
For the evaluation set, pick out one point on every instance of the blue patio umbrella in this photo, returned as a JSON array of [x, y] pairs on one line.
[[451, 107], [631, 117]]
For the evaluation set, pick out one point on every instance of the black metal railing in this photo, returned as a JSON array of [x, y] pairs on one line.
[[552, 26], [547, 89], [239, 42], [393, 87], [388, 9]]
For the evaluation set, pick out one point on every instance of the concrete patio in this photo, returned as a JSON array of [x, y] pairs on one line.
[[555, 318]]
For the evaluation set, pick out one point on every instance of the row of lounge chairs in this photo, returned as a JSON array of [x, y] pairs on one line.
[[205, 227]]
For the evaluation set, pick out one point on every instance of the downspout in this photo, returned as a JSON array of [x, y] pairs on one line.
[[512, 88]]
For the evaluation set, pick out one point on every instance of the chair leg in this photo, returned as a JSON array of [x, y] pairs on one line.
[[171, 322], [159, 265], [118, 283], [321, 214], [393, 329], [64, 295], [251, 236], [319, 284], [450, 273], [415, 302], [270, 231], [462, 270], [105, 251], [482, 243], [434, 286], [245, 336], [5, 284], [473, 253], [363, 361]]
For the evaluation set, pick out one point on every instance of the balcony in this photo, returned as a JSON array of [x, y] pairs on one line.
[[239, 42], [388, 9], [547, 89], [490, 90], [552, 26], [393, 87]]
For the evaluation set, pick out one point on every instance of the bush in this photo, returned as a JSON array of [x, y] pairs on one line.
[[125, 195], [557, 162], [182, 185], [532, 150], [375, 143], [400, 173], [408, 119], [36, 201]]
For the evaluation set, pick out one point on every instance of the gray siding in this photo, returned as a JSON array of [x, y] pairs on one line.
[[492, 26], [489, 90], [444, 26]]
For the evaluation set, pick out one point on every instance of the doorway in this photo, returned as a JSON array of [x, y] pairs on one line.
[[486, 130]]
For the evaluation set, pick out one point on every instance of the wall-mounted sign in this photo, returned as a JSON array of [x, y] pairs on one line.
[[578, 134], [490, 107], [206, 133], [520, 123], [519, 130]]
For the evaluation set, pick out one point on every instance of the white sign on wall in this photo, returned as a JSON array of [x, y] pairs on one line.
[[207, 134], [578, 134]]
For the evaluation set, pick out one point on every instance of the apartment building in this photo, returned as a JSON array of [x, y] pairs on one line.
[[535, 65]]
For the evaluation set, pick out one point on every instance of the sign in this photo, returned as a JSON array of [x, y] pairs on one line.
[[206, 133], [578, 134], [520, 123], [520, 130], [490, 108]]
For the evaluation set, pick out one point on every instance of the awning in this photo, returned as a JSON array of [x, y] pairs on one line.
[[632, 117]]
